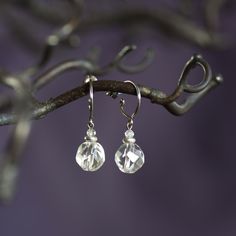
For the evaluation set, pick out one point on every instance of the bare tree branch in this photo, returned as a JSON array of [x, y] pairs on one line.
[[212, 12], [41, 109], [91, 68], [165, 20], [9, 159]]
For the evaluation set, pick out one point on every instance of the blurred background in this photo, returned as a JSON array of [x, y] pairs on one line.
[[188, 183]]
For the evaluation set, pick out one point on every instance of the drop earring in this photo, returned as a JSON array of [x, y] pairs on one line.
[[90, 155], [129, 157]]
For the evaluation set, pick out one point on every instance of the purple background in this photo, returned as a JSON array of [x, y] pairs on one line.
[[188, 183]]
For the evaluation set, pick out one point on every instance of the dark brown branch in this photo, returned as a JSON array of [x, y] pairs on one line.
[[155, 96], [40, 109]]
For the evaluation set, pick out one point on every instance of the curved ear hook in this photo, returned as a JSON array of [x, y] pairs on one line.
[[122, 104], [89, 79]]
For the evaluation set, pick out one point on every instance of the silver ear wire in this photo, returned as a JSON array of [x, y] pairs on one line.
[[129, 157], [90, 155], [90, 79], [122, 104]]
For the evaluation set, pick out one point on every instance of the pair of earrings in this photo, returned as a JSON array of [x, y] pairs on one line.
[[91, 156]]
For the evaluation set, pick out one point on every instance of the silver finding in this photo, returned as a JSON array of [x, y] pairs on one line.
[[89, 79], [90, 155], [122, 104], [129, 157]]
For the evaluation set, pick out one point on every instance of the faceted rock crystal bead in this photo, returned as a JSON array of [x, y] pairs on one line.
[[90, 155], [129, 157]]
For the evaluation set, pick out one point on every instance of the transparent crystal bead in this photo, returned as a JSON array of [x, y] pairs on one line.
[[90, 155], [129, 158]]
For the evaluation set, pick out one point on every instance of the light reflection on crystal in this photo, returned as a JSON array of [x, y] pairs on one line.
[[129, 158], [90, 156]]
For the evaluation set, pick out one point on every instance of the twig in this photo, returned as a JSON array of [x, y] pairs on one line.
[[91, 68], [166, 20], [9, 161], [212, 12], [41, 109]]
